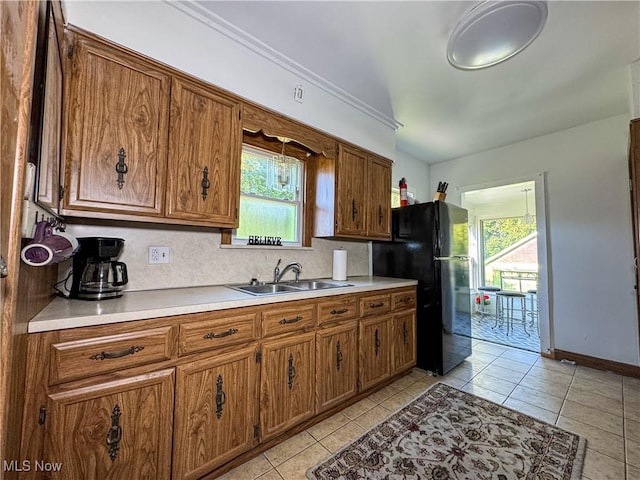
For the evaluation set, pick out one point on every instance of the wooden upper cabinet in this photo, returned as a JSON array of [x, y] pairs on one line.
[[350, 192], [113, 430], [353, 195], [116, 142], [379, 192], [48, 191], [634, 175], [205, 142]]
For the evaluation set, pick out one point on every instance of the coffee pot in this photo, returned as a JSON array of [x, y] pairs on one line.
[[96, 275]]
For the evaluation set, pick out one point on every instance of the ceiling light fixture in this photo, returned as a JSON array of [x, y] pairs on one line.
[[494, 31], [528, 218]]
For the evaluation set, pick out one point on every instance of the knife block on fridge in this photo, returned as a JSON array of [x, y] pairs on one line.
[[439, 196]]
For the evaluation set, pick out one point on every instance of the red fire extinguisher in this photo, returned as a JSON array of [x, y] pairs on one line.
[[403, 193]]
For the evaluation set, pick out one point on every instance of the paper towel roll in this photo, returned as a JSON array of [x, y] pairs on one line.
[[339, 265]]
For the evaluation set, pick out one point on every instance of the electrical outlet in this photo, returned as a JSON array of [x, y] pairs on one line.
[[158, 255], [298, 93]]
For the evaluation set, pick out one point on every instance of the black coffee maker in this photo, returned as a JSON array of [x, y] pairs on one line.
[[96, 275]]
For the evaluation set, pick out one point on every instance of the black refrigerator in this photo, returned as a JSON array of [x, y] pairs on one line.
[[430, 243]]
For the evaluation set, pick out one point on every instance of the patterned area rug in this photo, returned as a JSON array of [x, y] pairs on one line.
[[447, 434]]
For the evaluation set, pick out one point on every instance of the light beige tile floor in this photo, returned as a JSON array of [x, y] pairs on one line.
[[603, 407]]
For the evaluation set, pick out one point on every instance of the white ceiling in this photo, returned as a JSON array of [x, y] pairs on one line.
[[391, 55], [504, 197]]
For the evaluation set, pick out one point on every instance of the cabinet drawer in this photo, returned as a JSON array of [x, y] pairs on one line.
[[375, 304], [403, 300], [217, 333], [93, 356], [337, 309], [283, 320]]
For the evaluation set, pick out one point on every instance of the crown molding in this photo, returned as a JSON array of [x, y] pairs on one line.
[[222, 26]]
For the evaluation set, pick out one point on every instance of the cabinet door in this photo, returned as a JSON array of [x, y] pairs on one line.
[[350, 192], [634, 173], [205, 141], [114, 430], [287, 383], [379, 199], [404, 341], [48, 191], [337, 364], [115, 101], [375, 350], [216, 411]]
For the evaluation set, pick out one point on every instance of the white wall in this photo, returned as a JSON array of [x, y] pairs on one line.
[[164, 33], [416, 173], [592, 299]]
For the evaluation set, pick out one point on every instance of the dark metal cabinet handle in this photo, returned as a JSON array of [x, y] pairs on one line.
[[354, 210], [114, 435], [377, 341], [205, 183], [380, 215], [286, 321], [108, 355], [339, 312], [376, 305], [291, 373], [405, 300], [211, 335], [338, 356], [405, 333], [221, 397], [121, 168]]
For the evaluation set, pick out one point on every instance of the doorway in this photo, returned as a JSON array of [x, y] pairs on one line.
[[505, 274]]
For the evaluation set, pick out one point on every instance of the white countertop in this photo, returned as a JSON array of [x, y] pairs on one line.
[[62, 313]]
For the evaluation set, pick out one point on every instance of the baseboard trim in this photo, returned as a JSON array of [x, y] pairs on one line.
[[597, 363]]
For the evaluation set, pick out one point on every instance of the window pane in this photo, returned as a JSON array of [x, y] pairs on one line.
[[259, 175], [271, 198], [509, 245], [264, 217]]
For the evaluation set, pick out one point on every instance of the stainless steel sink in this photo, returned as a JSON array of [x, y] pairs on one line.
[[287, 287], [315, 284], [265, 289]]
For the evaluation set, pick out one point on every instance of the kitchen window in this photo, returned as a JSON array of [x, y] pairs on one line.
[[271, 198]]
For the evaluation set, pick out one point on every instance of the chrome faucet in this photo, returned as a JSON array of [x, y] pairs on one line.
[[277, 274]]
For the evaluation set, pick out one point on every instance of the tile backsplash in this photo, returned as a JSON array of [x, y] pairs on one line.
[[196, 257]]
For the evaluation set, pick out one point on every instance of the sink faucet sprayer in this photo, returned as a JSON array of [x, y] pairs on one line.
[[277, 274]]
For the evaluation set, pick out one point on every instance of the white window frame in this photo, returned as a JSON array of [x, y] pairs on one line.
[[300, 202]]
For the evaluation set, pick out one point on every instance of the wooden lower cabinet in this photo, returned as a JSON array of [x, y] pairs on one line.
[[404, 341], [215, 413], [375, 350], [336, 364], [287, 383], [113, 430], [181, 397]]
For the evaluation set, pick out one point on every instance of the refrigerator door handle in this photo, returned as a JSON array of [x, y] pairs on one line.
[[452, 257]]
